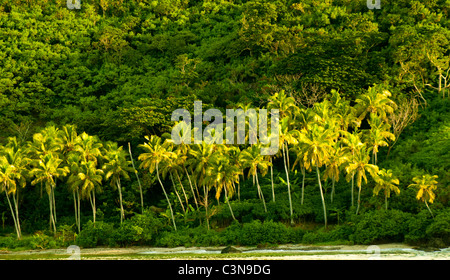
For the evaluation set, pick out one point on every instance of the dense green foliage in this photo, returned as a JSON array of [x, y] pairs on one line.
[[116, 70]]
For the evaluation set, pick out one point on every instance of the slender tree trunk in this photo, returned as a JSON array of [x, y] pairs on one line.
[[168, 201], [13, 215], [359, 199], [122, 214], [332, 188], [228, 202], [385, 201], [52, 220], [16, 205], [303, 183], [176, 192], [182, 188], [271, 179], [79, 210], [429, 208], [259, 190], [205, 191], [92, 200], [54, 204], [353, 200], [190, 184], [76, 211], [321, 194], [137, 177], [289, 185]]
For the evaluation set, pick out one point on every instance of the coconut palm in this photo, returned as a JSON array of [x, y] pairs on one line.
[[378, 135], [156, 153], [73, 161], [336, 159], [358, 166], [375, 101], [385, 181], [48, 168], [318, 148], [199, 161], [426, 184], [87, 180], [251, 158], [223, 175], [89, 147], [14, 167], [352, 142], [10, 180], [116, 167]]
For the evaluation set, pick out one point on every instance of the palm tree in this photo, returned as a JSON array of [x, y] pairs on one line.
[[386, 181], [375, 101], [87, 180], [89, 147], [73, 161], [47, 169], [156, 153], [116, 166], [200, 156], [318, 148], [358, 166], [426, 185], [69, 138], [13, 171], [352, 142], [251, 158], [223, 175], [336, 159], [10, 178], [378, 134]]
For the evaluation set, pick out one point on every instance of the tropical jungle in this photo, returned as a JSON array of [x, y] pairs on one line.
[[87, 95]]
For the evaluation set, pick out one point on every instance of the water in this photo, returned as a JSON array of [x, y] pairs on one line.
[[373, 252]]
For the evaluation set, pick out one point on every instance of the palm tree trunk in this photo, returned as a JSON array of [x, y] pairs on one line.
[[303, 183], [289, 185], [259, 190], [205, 191], [228, 202], [182, 188], [52, 220], [79, 209], [190, 184], [353, 200], [176, 192], [271, 179], [54, 204], [168, 201], [321, 194], [359, 199], [122, 214], [385, 201], [429, 208], [75, 208], [16, 206], [332, 188], [12, 213], [92, 201], [137, 177]]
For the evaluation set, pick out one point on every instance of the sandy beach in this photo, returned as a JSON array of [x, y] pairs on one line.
[[393, 251]]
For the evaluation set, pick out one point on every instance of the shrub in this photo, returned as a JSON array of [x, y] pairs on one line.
[[140, 229], [270, 232], [440, 227], [95, 235], [380, 226]]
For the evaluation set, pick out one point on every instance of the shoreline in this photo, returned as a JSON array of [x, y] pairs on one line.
[[394, 251]]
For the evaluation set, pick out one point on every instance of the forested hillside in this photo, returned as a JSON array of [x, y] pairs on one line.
[[86, 98]]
